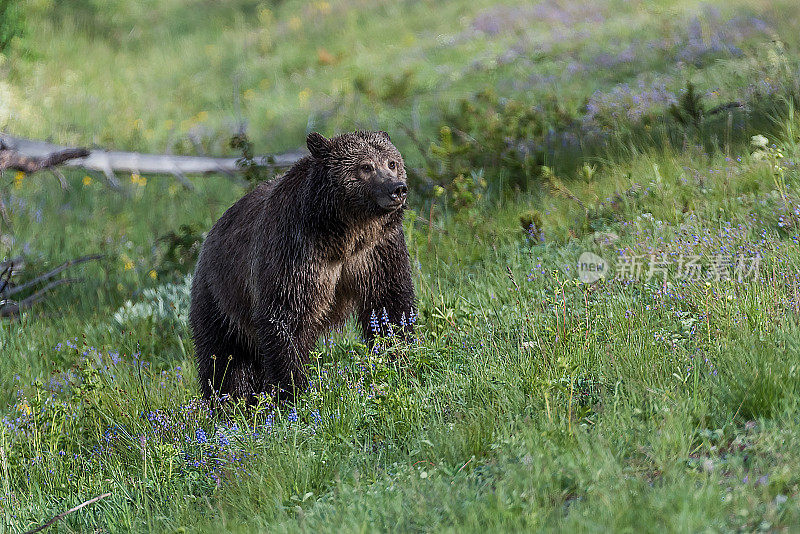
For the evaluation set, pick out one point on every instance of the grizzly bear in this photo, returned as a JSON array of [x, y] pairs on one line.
[[297, 256]]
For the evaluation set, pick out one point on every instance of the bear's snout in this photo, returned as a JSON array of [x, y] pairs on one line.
[[392, 195], [399, 191]]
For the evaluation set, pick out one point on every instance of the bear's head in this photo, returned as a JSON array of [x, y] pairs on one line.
[[366, 167]]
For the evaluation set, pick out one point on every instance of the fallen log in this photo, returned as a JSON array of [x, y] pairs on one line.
[[111, 161]]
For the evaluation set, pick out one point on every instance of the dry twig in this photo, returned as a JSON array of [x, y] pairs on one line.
[[12, 308], [62, 515], [47, 276]]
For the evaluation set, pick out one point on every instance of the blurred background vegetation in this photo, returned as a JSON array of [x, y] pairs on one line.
[[532, 132]]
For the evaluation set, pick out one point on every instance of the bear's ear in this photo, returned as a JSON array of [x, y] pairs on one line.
[[318, 145], [384, 135]]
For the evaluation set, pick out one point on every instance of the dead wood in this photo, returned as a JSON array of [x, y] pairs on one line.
[[12, 308], [62, 515], [11, 159]]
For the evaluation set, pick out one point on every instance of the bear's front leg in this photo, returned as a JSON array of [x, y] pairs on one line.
[[387, 305]]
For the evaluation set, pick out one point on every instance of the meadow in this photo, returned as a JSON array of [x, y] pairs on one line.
[[661, 136]]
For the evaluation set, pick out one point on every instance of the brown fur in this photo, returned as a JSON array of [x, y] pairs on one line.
[[297, 256]]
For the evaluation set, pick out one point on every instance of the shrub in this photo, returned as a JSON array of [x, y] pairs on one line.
[[252, 171], [12, 22], [494, 142], [502, 133], [181, 252], [167, 304]]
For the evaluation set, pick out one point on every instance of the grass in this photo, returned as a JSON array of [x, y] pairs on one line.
[[531, 401]]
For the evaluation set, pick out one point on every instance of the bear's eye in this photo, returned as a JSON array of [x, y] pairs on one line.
[[366, 168], [392, 165]]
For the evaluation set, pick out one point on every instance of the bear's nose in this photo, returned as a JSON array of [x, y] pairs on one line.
[[399, 192]]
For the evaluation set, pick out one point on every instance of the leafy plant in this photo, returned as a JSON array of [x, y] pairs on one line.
[[252, 171], [12, 22], [181, 252], [392, 89], [532, 226], [506, 138], [690, 110]]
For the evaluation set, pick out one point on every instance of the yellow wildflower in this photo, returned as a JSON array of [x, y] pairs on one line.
[[153, 274], [18, 179], [265, 16], [87, 180], [295, 23], [202, 116], [304, 95], [137, 179]]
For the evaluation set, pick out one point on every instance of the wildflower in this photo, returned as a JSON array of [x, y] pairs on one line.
[[200, 435], [87, 180], [292, 417], [759, 141], [18, 179], [323, 7], [304, 95], [153, 274], [316, 417], [295, 23], [386, 323], [373, 323], [138, 179]]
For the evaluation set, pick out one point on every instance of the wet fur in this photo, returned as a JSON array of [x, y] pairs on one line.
[[289, 261]]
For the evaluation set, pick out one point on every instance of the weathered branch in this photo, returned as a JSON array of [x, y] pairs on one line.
[[62, 515], [12, 159], [10, 308], [5, 276], [16, 263], [48, 275]]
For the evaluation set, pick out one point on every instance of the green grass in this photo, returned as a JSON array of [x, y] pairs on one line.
[[530, 402], [178, 76]]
